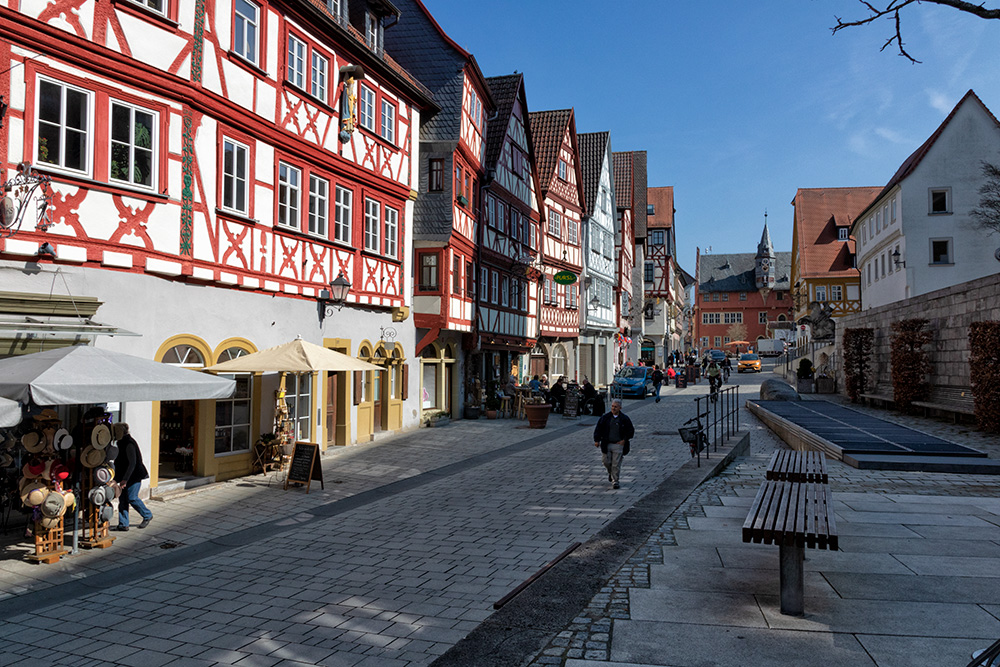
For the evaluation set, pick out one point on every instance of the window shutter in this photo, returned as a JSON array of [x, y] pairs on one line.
[[359, 377], [406, 381]]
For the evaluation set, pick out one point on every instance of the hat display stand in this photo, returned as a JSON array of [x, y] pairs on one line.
[[284, 427], [49, 547], [95, 531]]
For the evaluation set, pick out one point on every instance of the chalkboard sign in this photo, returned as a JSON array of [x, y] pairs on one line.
[[305, 466], [571, 407]]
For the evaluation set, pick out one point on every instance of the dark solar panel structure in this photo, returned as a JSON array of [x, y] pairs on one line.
[[857, 433]]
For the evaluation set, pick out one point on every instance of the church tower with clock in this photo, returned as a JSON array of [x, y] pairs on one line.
[[765, 268]]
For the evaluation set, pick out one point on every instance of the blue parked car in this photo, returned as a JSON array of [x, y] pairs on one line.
[[634, 381]]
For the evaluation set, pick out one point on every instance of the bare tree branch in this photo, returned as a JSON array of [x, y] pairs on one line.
[[892, 8], [987, 214]]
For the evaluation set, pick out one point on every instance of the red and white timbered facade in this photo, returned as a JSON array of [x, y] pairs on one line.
[[233, 158]]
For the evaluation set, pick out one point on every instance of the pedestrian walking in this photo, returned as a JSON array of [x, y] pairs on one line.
[[657, 381], [613, 434], [129, 473]]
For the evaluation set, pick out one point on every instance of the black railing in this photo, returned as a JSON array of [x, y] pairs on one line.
[[719, 415]]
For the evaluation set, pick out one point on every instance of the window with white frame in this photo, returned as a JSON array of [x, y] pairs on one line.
[[372, 221], [572, 230], [711, 318], [656, 236], [235, 171], [842, 233], [484, 282], [704, 341], [373, 32], [319, 204], [158, 6], [388, 129], [836, 293], [524, 296], [762, 317], [64, 133], [366, 107], [391, 232], [941, 251], [298, 398], [494, 287], [232, 417], [868, 270], [318, 76], [246, 29], [732, 318], [571, 296], [555, 223], [504, 291], [718, 341], [296, 62], [725, 340], [342, 215], [133, 145], [892, 209], [563, 169], [743, 296], [820, 292], [648, 271], [288, 195]]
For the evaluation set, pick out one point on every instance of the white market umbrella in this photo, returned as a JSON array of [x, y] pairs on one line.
[[82, 374], [10, 413], [297, 356]]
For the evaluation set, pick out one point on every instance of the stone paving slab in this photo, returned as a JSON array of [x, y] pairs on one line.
[[677, 576], [894, 651], [929, 588]]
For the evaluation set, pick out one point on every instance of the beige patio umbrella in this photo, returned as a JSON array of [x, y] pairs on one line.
[[297, 356]]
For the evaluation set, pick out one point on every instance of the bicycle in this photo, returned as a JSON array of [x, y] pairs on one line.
[[694, 436], [714, 383]]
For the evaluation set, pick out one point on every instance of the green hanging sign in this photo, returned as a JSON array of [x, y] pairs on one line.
[[565, 277]]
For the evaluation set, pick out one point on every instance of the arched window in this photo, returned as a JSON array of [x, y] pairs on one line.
[[558, 361], [231, 353], [184, 355]]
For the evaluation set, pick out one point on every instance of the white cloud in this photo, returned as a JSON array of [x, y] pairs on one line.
[[892, 136], [940, 101]]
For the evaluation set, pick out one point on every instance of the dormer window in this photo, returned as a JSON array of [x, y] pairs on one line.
[[842, 233], [373, 32]]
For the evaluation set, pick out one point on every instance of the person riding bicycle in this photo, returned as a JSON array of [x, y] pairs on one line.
[[727, 367], [714, 375]]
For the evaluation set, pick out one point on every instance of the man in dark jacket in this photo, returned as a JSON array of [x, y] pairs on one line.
[[613, 434], [657, 381], [129, 473]]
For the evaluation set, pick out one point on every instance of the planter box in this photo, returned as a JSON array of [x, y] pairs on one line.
[[441, 421], [804, 386], [826, 386]]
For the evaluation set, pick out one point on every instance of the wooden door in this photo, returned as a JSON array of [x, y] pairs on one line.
[[331, 409]]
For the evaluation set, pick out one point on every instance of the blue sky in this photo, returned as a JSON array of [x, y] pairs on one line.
[[739, 105]]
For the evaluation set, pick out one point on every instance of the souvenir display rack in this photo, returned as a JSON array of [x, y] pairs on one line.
[[49, 547]]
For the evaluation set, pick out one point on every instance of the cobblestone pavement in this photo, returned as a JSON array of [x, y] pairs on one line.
[[400, 556], [589, 636]]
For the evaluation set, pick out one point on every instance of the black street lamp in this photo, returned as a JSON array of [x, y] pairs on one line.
[[334, 298]]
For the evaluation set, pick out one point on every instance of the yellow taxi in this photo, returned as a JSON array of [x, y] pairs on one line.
[[748, 362]]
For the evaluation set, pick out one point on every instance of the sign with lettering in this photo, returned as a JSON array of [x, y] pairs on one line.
[[305, 466], [565, 277], [571, 406]]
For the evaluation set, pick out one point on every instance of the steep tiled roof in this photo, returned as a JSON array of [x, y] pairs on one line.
[[735, 272], [547, 131], [630, 187], [623, 179], [910, 163], [593, 148], [504, 90], [818, 213]]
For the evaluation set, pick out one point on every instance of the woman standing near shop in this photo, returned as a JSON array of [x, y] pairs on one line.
[[129, 473]]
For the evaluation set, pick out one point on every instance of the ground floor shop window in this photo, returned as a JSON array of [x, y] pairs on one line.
[[232, 418], [298, 398], [430, 388]]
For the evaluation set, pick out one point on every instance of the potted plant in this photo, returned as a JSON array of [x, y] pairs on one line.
[[492, 405], [432, 418], [825, 383], [537, 411], [804, 374]]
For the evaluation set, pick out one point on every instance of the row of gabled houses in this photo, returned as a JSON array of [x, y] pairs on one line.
[[192, 182], [856, 249]]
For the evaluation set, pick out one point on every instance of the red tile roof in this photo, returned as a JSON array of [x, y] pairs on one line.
[[547, 131], [818, 214]]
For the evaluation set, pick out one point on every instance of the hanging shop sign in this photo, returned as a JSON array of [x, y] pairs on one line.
[[565, 277]]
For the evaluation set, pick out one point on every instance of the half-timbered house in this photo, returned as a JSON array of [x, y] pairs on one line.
[[449, 279], [557, 152], [599, 323], [662, 282], [630, 240], [506, 324], [215, 165]]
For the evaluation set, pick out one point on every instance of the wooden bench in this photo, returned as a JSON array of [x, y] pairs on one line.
[[879, 396], [956, 400], [793, 515], [788, 465]]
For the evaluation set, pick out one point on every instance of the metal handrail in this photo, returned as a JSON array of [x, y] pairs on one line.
[[723, 415]]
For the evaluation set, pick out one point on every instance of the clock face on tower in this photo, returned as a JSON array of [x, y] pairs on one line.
[[764, 264]]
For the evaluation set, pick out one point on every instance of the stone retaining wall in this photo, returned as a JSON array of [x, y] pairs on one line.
[[949, 312]]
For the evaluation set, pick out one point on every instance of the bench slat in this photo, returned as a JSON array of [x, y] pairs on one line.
[[791, 514], [795, 466]]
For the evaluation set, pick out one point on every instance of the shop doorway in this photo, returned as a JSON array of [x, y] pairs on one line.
[[538, 363], [331, 409], [177, 438]]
